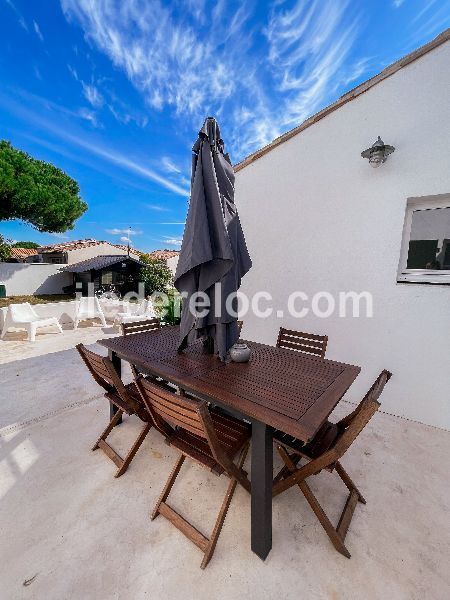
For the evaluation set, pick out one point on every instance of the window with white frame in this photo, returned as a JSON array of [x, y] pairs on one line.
[[425, 252]]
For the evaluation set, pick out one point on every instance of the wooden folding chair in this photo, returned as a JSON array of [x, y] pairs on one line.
[[140, 326], [323, 452], [309, 343], [125, 397], [210, 438]]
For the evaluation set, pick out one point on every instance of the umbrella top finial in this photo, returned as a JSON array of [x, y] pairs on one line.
[[211, 130]]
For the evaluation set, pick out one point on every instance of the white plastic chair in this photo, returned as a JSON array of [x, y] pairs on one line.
[[143, 312], [88, 307], [23, 316]]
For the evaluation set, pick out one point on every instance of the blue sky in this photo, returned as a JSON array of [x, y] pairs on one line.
[[114, 92]]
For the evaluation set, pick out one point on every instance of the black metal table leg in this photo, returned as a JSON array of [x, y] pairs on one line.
[[261, 501], [113, 357]]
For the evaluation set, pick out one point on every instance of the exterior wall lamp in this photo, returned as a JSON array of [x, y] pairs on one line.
[[377, 153]]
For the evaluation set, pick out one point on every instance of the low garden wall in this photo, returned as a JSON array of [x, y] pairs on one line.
[[23, 279]]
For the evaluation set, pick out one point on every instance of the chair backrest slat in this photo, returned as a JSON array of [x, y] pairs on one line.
[[104, 373], [309, 343], [351, 426], [97, 367], [176, 410], [140, 326]]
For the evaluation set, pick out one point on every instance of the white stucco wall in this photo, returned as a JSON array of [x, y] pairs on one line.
[[172, 263], [317, 217], [23, 278]]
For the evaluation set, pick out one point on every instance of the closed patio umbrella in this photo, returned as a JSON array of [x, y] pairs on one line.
[[213, 249]]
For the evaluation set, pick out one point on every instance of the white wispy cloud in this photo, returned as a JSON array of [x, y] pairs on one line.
[[357, 69], [397, 3], [128, 231], [158, 207], [161, 52], [59, 236], [173, 241], [426, 8], [430, 22], [171, 223], [20, 18], [92, 95], [51, 125], [262, 90], [125, 116], [89, 115], [38, 31], [73, 72], [309, 45], [169, 165], [126, 239]]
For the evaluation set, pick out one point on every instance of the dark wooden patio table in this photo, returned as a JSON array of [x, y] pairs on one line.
[[277, 389]]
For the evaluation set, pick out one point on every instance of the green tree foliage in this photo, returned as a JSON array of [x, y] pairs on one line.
[[37, 192], [170, 308], [156, 275], [5, 249], [31, 245]]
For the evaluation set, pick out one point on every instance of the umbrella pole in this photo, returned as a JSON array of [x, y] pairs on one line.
[[209, 344]]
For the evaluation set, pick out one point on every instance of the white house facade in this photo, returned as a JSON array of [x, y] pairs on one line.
[[317, 218]]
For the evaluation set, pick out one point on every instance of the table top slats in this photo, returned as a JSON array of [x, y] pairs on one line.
[[286, 389]]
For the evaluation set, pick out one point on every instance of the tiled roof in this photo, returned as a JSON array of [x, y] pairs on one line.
[[67, 246], [97, 263], [78, 244], [23, 252], [125, 249], [163, 254]]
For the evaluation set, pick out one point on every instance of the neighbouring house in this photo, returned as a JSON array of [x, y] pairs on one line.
[[68, 253], [170, 257], [40, 272], [318, 219], [120, 271], [23, 255]]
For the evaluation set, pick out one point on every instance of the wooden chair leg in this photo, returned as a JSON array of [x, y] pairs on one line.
[[296, 458], [336, 535], [168, 487], [223, 512], [332, 533], [121, 463], [134, 448], [116, 418], [348, 482], [207, 546]]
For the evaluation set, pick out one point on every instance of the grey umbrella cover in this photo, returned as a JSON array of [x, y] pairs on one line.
[[213, 249]]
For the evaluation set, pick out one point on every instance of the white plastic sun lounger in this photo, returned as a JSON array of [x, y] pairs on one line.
[[88, 307], [23, 316], [143, 312]]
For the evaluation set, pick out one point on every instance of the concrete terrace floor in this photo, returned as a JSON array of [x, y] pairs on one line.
[[70, 530]]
